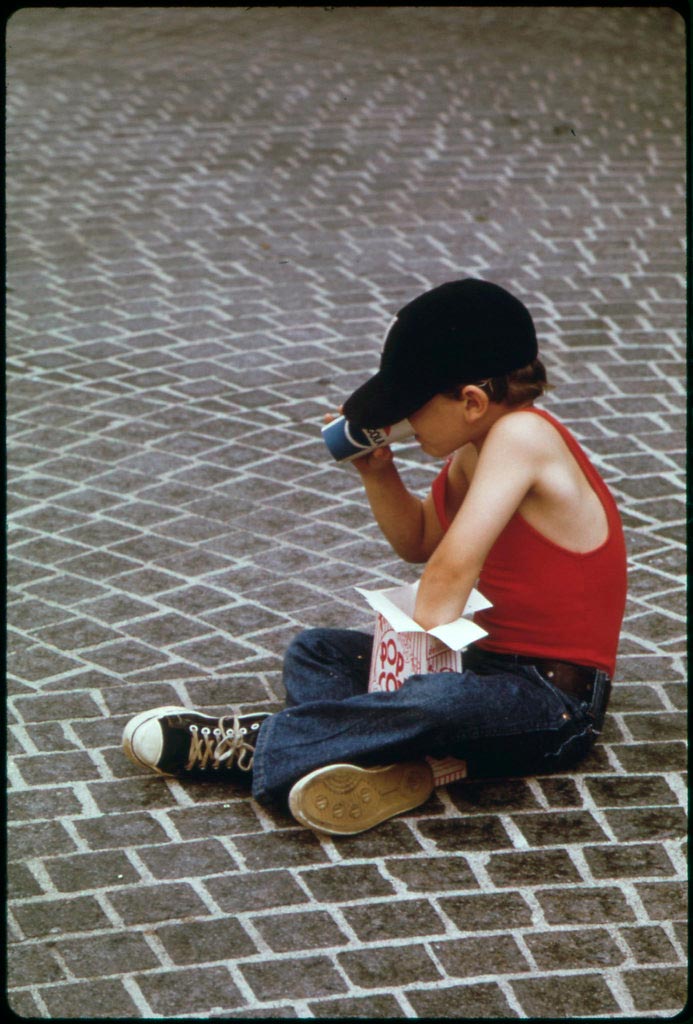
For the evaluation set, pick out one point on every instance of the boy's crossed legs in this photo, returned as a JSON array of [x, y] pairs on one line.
[[347, 759]]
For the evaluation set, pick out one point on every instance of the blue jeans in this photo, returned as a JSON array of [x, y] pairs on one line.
[[502, 718]]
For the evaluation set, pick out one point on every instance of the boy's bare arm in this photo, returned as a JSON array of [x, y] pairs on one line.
[[508, 466], [408, 523]]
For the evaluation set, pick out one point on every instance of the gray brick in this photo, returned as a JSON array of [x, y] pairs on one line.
[[182, 308], [366, 1007], [107, 954], [505, 796], [392, 837], [648, 823], [288, 849], [230, 818], [619, 790], [286, 932], [163, 902], [399, 964], [21, 883], [343, 882], [561, 792], [559, 828], [32, 965], [641, 859], [487, 911], [585, 905], [435, 874], [479, 957], [649, 944], [23, 1004], [572, 948], [24, 840], [483, 832], [194, 858], [531, 868], [658, 988], [664, 900], [394, 919], [172, 992], [259, 890], [649, 757], [565, 996], [309, 977], [54, 707], [121, 830], [184, 944], [68, 1001], [49, 916], [484, 999]]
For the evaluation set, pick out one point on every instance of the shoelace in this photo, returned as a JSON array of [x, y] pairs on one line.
[[219, 745]]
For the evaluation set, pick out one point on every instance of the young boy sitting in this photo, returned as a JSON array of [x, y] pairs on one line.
[[517, 507]]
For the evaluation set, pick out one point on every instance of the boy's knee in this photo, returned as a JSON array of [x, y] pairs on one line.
[[312, 644]]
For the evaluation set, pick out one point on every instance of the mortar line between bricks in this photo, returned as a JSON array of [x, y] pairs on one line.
[[681, 949], [234, 969], [256, 936], [514, 833], [512, 998], [337, 913], [80, 844], [131, 986], [161, 815], [478, 862], [593, 237], [614, 979], [400, 998], [14, 927], [289, 954], [40, 1002], [630, 962], [139, 865], [678, 786], [678, 858], [451, 930]]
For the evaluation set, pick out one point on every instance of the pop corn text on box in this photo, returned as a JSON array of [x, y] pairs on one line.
[[402, 648]]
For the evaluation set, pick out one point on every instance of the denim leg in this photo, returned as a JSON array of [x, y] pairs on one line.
[[511, 720], [326, 664]]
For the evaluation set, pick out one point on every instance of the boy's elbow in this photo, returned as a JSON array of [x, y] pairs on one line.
[[416, 547], [447, 571], [414, 555], [421, 551], [418, 559]]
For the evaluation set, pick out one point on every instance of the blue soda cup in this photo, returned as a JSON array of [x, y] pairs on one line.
[[347, 442]]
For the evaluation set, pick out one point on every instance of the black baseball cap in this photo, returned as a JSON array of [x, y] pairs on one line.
[[457, 333]]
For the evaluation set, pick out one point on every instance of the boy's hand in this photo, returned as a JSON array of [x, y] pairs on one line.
[[375, 462], [329, 416]]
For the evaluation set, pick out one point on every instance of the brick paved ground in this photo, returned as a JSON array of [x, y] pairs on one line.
[[213, 214]]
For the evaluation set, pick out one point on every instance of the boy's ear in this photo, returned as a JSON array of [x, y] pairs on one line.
[[475, 399]]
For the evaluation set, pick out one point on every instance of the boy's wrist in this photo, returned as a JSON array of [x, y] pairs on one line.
[[377, 463]]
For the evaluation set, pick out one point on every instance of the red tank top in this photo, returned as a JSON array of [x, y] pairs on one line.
[[548, 601]]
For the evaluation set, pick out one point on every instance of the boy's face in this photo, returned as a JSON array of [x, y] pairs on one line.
[[445, 424]]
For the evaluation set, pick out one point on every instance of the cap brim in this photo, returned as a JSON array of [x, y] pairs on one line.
[[381, 402]]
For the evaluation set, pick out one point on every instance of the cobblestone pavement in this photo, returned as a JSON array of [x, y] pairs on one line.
[[213, 214]]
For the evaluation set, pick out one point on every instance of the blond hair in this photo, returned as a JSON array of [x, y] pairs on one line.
[[515, 388]]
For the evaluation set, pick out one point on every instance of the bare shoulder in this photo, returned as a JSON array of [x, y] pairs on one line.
[[522, 430]]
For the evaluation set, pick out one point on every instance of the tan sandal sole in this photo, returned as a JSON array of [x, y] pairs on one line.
[[343, 799]]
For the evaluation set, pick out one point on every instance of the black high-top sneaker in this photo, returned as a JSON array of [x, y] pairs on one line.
[[181, 742]]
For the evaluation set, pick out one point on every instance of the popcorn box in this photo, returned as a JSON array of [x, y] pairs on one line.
[[402, 648]]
